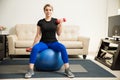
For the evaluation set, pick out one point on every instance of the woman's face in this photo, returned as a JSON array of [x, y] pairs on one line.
[[48, 11]]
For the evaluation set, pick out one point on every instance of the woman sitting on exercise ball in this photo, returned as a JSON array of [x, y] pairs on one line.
[[48, 28]]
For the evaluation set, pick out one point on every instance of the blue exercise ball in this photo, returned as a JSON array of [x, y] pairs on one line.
[[48, 60]]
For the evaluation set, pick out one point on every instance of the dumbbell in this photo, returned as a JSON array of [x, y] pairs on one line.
[[60, 20], [28, 49]]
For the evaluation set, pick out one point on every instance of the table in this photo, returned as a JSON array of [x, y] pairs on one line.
[[3, 46]]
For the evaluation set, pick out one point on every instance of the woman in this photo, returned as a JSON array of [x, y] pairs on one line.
[[48, 29]]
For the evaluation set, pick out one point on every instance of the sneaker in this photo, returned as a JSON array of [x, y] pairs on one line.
[[69, 73], [29, 73]]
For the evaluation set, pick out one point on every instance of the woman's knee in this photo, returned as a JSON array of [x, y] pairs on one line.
[[61, 46], [35, 47], [39, 46]]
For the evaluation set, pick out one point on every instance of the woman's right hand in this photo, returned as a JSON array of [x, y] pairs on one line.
[[28, 49]]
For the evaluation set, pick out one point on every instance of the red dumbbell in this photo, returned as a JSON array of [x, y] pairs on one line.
[[28, 49], [60, 20]]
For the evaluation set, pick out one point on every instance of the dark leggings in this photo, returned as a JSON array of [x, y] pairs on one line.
[[56, 46]]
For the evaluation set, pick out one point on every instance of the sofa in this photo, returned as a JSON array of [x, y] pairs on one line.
[[25, 33]]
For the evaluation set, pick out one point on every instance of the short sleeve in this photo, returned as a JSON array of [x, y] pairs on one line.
[[39, 23]]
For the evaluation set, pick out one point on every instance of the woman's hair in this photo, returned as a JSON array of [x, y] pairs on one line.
[[48, 5]]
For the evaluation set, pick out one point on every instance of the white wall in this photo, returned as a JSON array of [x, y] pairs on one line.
[[112, 8], [90, 15]]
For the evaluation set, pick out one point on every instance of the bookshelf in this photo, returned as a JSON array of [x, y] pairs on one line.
[[109, 53]]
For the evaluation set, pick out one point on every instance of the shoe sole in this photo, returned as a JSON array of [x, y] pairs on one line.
[[69, 76], [29, 76]]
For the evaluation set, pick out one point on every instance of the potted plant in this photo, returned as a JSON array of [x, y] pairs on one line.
[[3, 30]]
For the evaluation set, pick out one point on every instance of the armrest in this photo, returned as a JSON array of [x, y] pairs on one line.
[[85, 41], [11, 43]]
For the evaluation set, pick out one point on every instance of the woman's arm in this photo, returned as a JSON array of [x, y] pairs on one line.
[[59, 29], [37, 37]]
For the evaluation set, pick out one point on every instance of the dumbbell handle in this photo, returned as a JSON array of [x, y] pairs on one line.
[[60, 20], [28, 49]]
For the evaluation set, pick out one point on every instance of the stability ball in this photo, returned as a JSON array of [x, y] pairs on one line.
[[48, 60]]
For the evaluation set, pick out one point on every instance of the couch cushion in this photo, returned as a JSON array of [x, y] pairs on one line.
[[68, 44], [26, 31], [72, 44], [69, 33], [23, 43]]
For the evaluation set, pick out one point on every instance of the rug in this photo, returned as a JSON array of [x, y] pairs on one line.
[[81, 68]]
